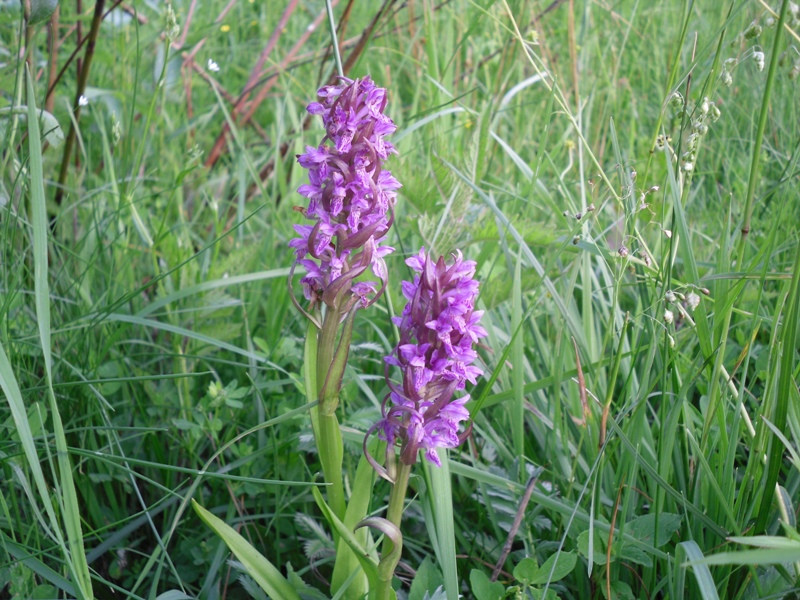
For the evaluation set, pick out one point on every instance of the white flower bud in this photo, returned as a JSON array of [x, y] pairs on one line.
[[668, 233], [692, 300], [726, 78], [670, 296], [770, 21], [671, 341], [676, 100], [668, 317], [759, 59], [704, 106], [715, 112], [688, 167]]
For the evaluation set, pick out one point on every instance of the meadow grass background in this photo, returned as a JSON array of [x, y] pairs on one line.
[[146, 322]]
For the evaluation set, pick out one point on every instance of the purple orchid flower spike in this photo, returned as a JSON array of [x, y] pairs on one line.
[[438, 329], [351, 197]]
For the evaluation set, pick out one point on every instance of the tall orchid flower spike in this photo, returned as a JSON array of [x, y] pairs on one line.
[[438, 329], [350, 198]]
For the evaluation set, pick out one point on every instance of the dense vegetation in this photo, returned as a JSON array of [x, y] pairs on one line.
[[625, 174]]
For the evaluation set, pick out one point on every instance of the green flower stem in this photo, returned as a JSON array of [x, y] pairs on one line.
[[329, 445], [394, 514], [330, 368], [762, 125], [326, 345]]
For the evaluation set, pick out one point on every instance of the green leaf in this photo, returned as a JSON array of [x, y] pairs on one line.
[[428, 578], [555, 568], [53, 134], [526, 570], [267, 576], [762, 556], [633, 554], [620, 591], [690, 550], [438, 507], [643, 528], [70, 507], [174, 595], [41, 10], [598, 551], [369, 565], [485, 589]]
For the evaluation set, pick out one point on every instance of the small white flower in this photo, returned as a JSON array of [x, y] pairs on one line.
[[670, 295], [668, 317], [83, 100], [212, 66]]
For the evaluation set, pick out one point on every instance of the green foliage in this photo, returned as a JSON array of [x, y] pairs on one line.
[[147, 327]]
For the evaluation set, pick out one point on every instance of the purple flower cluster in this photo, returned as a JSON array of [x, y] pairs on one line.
[[351, 197], [438, 329]]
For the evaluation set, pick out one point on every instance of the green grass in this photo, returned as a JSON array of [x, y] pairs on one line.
[[150, 353]]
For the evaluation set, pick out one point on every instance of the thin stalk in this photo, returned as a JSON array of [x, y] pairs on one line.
[[83, 78], [762, 125], [394, 514], [329, 440], [748, 211], [334, 40]]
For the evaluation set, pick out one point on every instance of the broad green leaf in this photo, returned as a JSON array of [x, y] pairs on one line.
[[555, 568], [630, 553], [483, 588], [598, 548], [619, 591], [526, 570], [267, 576], [174, 595], [643, 528], [427, 579], [53, 134]]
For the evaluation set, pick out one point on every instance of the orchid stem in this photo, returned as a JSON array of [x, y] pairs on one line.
[[329, 440], [394, 513]]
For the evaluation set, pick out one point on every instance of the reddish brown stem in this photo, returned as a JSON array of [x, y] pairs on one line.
[[83, 78]]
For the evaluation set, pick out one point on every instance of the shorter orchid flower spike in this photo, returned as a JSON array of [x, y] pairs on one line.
[[438, 330]]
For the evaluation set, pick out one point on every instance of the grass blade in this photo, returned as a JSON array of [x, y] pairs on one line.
[[69, 500]]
